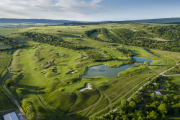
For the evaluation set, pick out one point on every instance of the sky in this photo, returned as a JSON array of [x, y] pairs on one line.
[[90, 10]]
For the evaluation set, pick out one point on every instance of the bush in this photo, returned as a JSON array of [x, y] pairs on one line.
[[9, 83]]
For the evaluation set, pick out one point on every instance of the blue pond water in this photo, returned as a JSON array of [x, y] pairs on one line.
[[142, 60], [105, 71]]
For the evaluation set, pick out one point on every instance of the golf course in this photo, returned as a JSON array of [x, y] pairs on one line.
[[90, 71]]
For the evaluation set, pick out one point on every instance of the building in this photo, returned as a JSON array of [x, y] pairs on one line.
[[10, 116], [158, 93]]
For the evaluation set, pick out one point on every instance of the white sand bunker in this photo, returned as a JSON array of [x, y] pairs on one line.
[[87, 87], [71, 72]]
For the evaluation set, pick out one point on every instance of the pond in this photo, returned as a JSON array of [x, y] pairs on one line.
[[105, 71], [142, 60]]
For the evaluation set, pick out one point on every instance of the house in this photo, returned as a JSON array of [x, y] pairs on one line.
[[158, 93], [10, 116], [154, 83]]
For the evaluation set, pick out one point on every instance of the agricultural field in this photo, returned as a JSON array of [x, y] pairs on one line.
[[46, 72]]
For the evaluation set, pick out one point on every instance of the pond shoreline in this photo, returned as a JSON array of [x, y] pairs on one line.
[[112, 72]]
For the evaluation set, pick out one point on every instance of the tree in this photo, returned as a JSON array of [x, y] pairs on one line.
[[117, 118], [165, 98], [140, 118], [153, 96], [157, 86], [131, 60], [132, 104], [136, 97], [152, 115], [124, 105], [163, 108], [110, 58], [176, 67], [176, 111], [9, 82], [112, 117], [86, 68], [146, 63]]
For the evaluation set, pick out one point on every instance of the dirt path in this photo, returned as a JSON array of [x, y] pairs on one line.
[[22, 116]]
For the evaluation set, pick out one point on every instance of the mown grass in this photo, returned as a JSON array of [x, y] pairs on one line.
[[100, 105], [173, 55]]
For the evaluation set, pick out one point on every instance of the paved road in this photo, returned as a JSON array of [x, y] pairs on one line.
[[22, 115]]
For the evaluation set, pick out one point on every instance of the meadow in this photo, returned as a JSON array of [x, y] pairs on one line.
[[42, 72]]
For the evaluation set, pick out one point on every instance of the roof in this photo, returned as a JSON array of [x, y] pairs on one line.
[[154, 83], [157, 93], [10, 116]]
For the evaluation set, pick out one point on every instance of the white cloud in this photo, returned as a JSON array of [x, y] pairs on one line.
[[74, 8]]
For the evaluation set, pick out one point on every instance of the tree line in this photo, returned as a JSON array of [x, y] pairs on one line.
[[10, 42], [52, 40]]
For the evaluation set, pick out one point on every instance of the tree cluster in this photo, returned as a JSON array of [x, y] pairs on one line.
[[171, 32], [95, 55], [10, 42], [52, 40]]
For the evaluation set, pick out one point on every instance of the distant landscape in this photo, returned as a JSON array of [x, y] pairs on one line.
[[74, 70], [5, 22]]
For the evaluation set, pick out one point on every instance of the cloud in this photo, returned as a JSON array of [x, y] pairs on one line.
[[74, 8]]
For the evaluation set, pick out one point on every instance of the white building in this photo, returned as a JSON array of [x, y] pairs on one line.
[[10, 116], [158, 93]]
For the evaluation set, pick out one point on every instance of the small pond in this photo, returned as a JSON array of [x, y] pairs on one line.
[[142, 60], [105, 71]]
